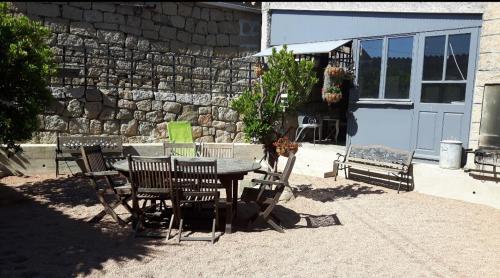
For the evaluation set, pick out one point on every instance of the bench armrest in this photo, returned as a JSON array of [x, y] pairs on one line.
[[339, 155], [102, 174]]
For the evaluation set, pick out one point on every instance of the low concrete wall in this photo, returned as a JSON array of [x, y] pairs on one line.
[[39, 158]]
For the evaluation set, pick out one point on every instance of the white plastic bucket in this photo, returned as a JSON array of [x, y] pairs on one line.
[[450, 155]]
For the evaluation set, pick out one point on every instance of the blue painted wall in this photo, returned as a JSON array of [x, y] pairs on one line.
[[310, 26]]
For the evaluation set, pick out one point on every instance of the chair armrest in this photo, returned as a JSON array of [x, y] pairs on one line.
[[268, 173], [102, 174], [267, 182], [339, 155]]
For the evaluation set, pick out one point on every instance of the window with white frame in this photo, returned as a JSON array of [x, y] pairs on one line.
[[384, 67]]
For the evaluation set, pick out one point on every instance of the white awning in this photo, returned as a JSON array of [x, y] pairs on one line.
[[305, 48]]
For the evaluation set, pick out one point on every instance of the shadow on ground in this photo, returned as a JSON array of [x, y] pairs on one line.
[[38, 240], [331, 194]]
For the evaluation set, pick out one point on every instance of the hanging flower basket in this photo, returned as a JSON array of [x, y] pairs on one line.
[[332, 94], [335, 72], [284, 147]]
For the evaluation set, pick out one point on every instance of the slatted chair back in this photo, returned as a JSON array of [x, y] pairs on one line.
[[217, 150], [196, 176], [179, 149], [150, 174], [93, 159]]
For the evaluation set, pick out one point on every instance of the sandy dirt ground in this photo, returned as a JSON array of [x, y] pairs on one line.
[[338, 228]]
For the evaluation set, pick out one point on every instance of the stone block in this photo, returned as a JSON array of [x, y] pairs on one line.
[[76, 92], [92, 16], [126, 104], [222, 137], [74, 108], [69, 40], [140, 115], [72, 13], [184, 98], [227, 114], [190, 116], [201, 27], [92, 109], [147, 24], [114, 18], [204, 110], [154, 117], [219, 101], [178, 21], [169, 8], [144, 105], [107, 114], [82, 29], [55, 123], [112, 37], [205, 14], [146, 128], [130, 128], [95, 127], [57, 25], [196, 12], [167, 32], [162, 19], [50, 10], [228, 16], [142, 95], [199, 39], [170, 117], [124, 114], [82, 5], [212, 27], [190, 25], [184, 10], [205, 139], [111, 127], [172, 107], [133, 21], [130, 30], [131, 42], [211, 40], [222, 40], [79, 126], [143, 45], [93, 95], [148, 34], [184, 36], [58, 92], [219, 125], [202, 99], [126, 10], [104, 6], [164, 96], [216, 15], [227, 27], [240, 126], [205, 120], [240, 138], [106, 26], [197, 132]]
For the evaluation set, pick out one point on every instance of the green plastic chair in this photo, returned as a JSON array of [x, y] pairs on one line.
[[180, 132]]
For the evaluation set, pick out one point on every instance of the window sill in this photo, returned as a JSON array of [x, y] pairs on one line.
[[385, 102]]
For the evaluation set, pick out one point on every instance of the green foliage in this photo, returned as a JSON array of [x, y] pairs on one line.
[[260, 105], [26, 65]]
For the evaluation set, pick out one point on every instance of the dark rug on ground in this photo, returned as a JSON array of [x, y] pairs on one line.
[[332, 193]]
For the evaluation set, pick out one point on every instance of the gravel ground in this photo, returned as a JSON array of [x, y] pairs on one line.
[[343, 228]]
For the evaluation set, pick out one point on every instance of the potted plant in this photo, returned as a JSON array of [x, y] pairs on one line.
[[284, 146], [261, 105]]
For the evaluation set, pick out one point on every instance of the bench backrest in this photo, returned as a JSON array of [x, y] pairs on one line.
[[72, 144], [379, 155]]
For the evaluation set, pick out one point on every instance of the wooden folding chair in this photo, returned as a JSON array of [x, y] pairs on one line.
[[106, 182], [150, 178], [195, 190], [265, 198], [180, 149], [217, 150]]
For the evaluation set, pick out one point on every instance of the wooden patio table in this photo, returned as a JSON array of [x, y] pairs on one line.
[[229, 172]]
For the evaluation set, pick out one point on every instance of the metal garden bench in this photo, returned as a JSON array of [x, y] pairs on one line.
[[376, 158]]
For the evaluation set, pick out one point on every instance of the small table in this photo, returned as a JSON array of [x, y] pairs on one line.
[[229, 171]]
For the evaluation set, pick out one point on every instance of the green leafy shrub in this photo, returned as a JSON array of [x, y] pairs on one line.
[[260, 105], [26, 65]]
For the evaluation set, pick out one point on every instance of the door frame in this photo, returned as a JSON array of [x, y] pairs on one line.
[[469, 91]]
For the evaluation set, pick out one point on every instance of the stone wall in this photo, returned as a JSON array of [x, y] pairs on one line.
[[141, 113], [488, 70]]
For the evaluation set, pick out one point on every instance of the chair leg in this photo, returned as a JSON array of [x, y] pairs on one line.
[[213, 230], [57, 168], [180, 231], [400, 180], [110, 210], [274, 225], [170, 227]]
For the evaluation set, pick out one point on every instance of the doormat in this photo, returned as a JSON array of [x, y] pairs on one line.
[[316, 221]]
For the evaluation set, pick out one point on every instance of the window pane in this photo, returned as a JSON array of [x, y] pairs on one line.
[[399, 57], [433, 58], [458, 57], [443, 93], [370, 58]]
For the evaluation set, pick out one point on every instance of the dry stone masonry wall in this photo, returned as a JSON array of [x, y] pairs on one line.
[[108, 37]]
